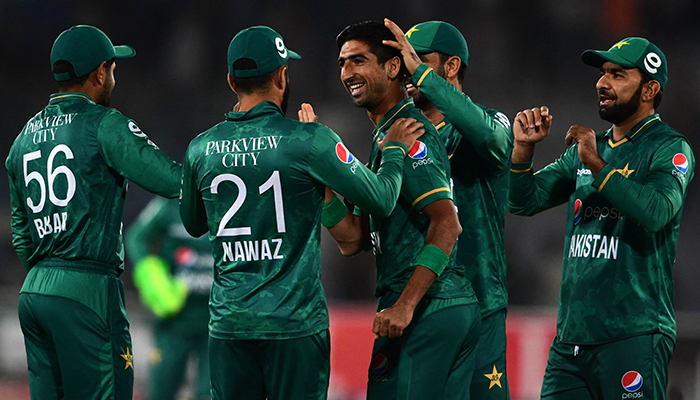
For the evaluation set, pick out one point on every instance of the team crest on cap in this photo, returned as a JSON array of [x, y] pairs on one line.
[[344, 154], [578, 211], [680, 161], [632, 381], [418, 151], [380, 364]]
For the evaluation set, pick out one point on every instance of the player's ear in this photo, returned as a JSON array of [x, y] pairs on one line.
[[280, 78], [651, 89], [452, 66], [99, 76], [229, 78], [393, 66]]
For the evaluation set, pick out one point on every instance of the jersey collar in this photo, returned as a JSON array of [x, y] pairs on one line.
[[266, 107], [391, 115], [636, 131], [69, 96]]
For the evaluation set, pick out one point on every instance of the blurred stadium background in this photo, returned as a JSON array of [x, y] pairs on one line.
[[522, 54]]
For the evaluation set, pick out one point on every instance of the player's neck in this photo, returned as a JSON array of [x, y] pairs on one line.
[[394, 96], [431, 112], [621, 129], [247, 102]]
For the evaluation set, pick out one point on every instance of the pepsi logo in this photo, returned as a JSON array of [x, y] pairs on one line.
[[680, 161], [578, 211], [344, 154], [632, 381], [380, 364], [418, 151]]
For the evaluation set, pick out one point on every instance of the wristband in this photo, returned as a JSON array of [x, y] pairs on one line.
[[433, 258], [333, 212]]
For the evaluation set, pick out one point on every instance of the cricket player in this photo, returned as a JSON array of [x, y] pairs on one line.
[[173, 272], [478, 142], [625, 188], [255, 182], [428, 322], [68, 170]]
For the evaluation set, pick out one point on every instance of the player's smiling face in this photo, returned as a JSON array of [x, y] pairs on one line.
[[619, 92], [364, 78]]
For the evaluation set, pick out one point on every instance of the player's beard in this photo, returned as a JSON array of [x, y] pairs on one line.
[[285, 96], [106, 94], [419, 99], [619, 111]]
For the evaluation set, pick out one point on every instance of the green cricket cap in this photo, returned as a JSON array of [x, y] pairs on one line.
[[439, 36], [263, 46], [85, 47], [632, 52]]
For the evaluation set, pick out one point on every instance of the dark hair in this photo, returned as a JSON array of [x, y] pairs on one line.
[[372, 33], [657, 99], [462, 68], [63, 66], [255, 83]]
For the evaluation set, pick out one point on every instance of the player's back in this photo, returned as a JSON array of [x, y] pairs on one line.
[[263, 210], [73, 200]]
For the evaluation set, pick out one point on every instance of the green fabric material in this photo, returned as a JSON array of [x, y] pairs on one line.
[[398, 238], [294, 369], [632, 52], [479, 142], [439, 36], [255, 182], [334, 211], [620, 245], [68, 170], [433, 258], [262, 45], [598, 372], [488, 384], [433, 358], [85, 47]]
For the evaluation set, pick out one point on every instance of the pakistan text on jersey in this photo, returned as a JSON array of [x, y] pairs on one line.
[[594, 246], [51, 224], [252, 250]]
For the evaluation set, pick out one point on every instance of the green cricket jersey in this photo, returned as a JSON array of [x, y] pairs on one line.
[[256, 183], [190, 259], [68, 171], [398, 238], [478, 142], [621, 231]]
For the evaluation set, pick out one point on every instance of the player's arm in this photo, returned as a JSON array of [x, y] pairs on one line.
[[532, 192], [350, 231], [163, 294], [489, 133], [192, 211], [128, 150], [21, 236], [374, 193], [442, 235], [654, 202]]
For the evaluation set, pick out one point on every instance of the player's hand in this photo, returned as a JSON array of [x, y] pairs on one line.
[[410, 57], [404, 130], [306, 113], [587, 147], [532, 126], [392, 321]]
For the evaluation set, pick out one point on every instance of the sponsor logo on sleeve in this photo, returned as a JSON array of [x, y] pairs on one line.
[[680, 161], [344, 154]]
